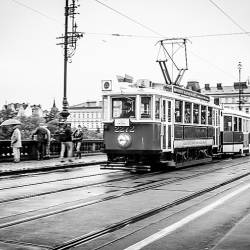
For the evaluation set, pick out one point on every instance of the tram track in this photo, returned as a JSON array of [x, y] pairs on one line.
[[116, 226], [28, 196], [58, 180], [111, 197]]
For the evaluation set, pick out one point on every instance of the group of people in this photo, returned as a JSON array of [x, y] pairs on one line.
[[68, 139]]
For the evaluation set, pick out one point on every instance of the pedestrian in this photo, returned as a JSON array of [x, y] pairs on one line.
[[42, 136], [65, 137], [16, 142], [77, 139], [47, 148]]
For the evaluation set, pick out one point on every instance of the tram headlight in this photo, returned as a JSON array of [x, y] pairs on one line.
[[124, 140]]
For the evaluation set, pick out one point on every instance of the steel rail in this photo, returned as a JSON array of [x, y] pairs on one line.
[[115, 196], [116, 226], [58, 180]]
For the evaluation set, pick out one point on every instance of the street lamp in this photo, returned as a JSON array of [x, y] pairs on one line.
[[65, 105], [69, 45]]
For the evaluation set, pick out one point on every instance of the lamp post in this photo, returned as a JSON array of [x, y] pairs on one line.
[[69, 46], [240, 85], [65, 105]]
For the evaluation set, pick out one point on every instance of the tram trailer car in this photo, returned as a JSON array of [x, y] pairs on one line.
[[235, 128], [155, 126]]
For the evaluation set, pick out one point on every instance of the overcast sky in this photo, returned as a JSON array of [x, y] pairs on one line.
[[31, 63]]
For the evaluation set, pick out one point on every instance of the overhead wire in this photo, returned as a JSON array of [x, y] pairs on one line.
[[129, 18], [36, 11], [162, 37], [229, 17], [146, 27], [159, 36]]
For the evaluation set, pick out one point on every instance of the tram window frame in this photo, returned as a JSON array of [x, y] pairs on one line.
[[187, 112], [169, 111], [146, 113], [203, 114], [126, 108], [164, 109], [244, 128], [157, 107], [228, 127], [196, 118], [235, 123], [209, 115], [178, 111], [240, 124]]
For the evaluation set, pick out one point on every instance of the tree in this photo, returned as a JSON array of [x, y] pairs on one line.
[[29, 124], [7, 113]]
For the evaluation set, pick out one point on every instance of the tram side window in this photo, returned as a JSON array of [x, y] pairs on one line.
[[227, 123], [203, 114], [240, 124], [244, 129], [187, 114], [164, 110], [145, 107], [123, 107], [178, 110], [157, 108], [169, 111], [196, 113], [210, 115], [235, 124]]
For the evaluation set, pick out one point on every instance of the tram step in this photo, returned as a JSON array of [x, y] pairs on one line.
[[132, 168]]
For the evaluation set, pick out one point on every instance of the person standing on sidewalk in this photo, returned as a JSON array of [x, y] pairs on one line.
[[47, 148], [65, 137], [77, 139], [42, 137], [16, 143]]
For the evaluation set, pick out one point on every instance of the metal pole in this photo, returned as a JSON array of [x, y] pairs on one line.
[[65, 112], [240, 85]]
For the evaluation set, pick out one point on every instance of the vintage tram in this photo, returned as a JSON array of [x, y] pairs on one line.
[[234, 135], [149, 125]]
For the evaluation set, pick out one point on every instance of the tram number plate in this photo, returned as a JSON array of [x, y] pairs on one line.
[[122, 122], [130, 129]]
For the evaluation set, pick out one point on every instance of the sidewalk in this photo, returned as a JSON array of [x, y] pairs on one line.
[[11, 168]]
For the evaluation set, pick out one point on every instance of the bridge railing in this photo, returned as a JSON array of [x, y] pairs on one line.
[[29, 149]]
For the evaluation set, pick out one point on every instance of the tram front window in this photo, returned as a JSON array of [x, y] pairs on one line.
[[123, 107]]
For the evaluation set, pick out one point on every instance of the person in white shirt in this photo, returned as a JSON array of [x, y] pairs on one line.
[[16, 142]]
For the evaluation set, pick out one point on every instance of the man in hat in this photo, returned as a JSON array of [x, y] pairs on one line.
[[16, 142]]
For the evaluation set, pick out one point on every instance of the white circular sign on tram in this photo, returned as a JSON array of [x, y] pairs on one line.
[[124, 140]]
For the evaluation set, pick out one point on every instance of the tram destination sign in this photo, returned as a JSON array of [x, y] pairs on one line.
[[190, 93]]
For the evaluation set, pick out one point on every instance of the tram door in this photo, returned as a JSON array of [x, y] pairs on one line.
[[166, 125]]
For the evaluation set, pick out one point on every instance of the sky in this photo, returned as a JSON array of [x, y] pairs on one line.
[[31, 64]]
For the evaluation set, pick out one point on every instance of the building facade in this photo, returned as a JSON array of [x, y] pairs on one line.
[[230, 96], [87, 114]]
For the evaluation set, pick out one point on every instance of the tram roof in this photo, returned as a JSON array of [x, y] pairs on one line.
[[235, 112], [171, 91]]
